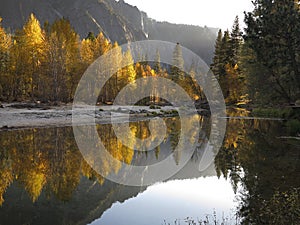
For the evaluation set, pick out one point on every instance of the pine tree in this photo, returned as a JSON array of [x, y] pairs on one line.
[[91, 36], [235, 41], [272, 32], [157, 64], [218, 64], [177, 64], [226, 64]]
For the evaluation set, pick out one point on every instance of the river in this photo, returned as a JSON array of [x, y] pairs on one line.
[[254, 177]]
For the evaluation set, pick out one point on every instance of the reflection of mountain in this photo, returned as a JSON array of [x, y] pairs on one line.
[[88, 202], [118, 21], [44, 179]]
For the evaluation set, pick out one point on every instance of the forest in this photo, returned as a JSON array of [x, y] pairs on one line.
[[258, 67], [46, 64], [262, 64]]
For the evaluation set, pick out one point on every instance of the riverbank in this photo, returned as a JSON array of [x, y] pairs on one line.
[[31, 115]]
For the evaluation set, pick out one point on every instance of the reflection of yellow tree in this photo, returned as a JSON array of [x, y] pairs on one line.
[[30, 166], [226, 161], [236, 128], [47, 159], [67, 178], [6, 180], [189, 136], [6, 175], [91, 174], [34, 181], [55, 167], [120, 152], [63, 174]]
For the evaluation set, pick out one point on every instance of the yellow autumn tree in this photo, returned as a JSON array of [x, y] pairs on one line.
[[63, 67], [101, 45], [86, 51], [29, 56], [5, 78], [128, 74]]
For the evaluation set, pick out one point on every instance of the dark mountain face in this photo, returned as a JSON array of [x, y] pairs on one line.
[[84, 15], [118, 21]]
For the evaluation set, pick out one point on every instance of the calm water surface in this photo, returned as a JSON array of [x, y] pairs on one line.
[[45, 180]]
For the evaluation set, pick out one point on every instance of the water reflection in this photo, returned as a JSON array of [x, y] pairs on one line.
[[45, 180], [175, 200], [48, 159], [267, 167]]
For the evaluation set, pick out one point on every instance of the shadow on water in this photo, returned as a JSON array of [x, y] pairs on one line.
[[267, 166]]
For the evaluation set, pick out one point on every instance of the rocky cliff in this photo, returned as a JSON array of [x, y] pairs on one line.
[[118, 21]]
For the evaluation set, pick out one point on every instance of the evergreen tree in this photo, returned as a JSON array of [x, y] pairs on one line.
[[226, 51], [91, 36], [235, 42], [218, 64], [226, 64], [177, 64], [223, 54], [157, 66], [273, 31]]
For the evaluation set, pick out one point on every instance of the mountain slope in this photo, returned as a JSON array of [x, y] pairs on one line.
[[84, 15], [118, 21]]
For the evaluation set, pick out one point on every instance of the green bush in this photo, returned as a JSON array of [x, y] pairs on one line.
[[293, 127], [274, 113]]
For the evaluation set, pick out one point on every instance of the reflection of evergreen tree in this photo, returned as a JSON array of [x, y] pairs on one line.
[[269, 166]]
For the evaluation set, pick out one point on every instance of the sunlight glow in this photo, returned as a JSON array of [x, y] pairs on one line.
[[212, 13]]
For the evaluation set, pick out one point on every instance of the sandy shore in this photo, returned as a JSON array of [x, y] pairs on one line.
[[14, 116]]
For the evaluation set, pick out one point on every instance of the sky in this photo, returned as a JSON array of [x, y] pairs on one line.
[[212, 13], [170, 200]]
